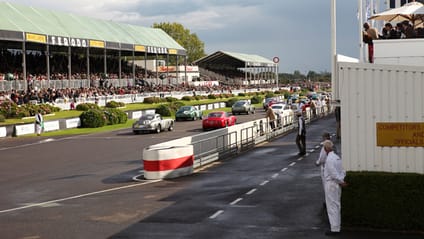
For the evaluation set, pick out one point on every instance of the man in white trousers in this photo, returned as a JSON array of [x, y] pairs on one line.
[[321, 159], [39, 123], [334, 181]]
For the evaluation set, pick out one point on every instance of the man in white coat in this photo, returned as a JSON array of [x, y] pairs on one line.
[[321, 159], [334, 180], [39, 123]]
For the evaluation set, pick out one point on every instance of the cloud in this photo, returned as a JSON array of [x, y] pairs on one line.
[[297, 31]]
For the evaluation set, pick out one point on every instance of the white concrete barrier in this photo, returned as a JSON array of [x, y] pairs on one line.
[[72, 123], [24, 129], [3, 132], [51, 126], [168, 161], [136, 114]]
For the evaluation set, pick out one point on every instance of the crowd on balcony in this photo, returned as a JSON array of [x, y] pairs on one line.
[[402, 30]]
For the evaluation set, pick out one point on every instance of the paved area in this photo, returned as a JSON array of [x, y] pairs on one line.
[[268, 192]]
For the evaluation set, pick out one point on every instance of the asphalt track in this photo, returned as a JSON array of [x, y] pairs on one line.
[[81, 187]]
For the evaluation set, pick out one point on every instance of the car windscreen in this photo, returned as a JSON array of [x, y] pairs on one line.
[[185, 108], [239, 103], [215, 115], [147, 117]]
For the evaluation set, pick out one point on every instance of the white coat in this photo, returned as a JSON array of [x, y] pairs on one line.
[[334, 176]]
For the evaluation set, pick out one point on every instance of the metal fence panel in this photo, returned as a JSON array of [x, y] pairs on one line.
[[372, 93]]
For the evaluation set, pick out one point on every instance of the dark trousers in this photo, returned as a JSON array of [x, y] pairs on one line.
[[301, 143], [371, 53]]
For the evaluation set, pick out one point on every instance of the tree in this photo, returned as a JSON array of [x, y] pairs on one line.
[[194, 46], [298, 76]]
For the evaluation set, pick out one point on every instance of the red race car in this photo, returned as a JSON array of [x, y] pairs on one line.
[[218, 119]]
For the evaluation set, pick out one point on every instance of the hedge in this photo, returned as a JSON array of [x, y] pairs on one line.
[[381, 200]]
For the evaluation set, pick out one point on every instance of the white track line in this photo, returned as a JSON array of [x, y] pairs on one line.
[[41, 204], [236, 201], [292, 164], [215, 215], [251, 191], [264, 182]]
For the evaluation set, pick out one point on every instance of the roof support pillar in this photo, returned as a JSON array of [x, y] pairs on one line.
[[245, 72], [69, 63], [185, 69], [48, 63], [145, 65], [23, 66], [133, 65], [119, 65], [104, 61], [88, 65]]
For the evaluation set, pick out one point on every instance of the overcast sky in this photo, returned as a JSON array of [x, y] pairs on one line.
[[297, 31]]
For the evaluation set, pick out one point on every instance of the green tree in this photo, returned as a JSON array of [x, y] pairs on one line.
[[194, 46]]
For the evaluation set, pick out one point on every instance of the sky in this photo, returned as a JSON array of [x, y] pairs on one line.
[[296, 31]]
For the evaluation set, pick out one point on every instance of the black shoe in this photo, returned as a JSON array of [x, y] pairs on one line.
[[301, 154], [330, 233]]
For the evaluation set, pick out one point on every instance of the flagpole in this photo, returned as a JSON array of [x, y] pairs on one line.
[[333, 51], [361, 44]]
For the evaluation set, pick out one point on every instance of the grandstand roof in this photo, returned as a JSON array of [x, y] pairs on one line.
[[22, 23], [233, 60]]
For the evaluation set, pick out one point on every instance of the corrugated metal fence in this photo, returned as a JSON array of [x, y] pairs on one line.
[[372, 93]]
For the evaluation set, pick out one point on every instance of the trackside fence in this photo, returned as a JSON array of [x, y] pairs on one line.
[[225, 143]]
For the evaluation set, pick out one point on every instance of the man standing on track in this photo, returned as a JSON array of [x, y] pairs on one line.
[[301, 134], [334, 181]]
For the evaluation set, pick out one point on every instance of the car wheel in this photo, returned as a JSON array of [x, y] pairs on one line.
[[177, 119], [158, 129], [136, 132], [171, 127]]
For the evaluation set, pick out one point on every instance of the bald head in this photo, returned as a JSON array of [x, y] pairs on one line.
[[328, 146]]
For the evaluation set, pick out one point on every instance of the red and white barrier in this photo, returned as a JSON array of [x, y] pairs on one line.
[[168, 161]]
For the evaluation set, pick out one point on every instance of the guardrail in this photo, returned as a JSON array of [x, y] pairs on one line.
[[224, 143]]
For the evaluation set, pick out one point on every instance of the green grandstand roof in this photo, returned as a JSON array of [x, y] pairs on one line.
[[235, 60], [249, 58], [18, 19]]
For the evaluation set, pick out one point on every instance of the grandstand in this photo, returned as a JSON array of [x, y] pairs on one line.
[[55, 57], [49, 49], [230, 68]]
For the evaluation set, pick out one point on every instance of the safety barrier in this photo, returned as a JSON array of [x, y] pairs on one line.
[[168, 162], [223, 143]]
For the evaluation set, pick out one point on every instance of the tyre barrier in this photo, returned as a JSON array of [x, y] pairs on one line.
[[168, 161]]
